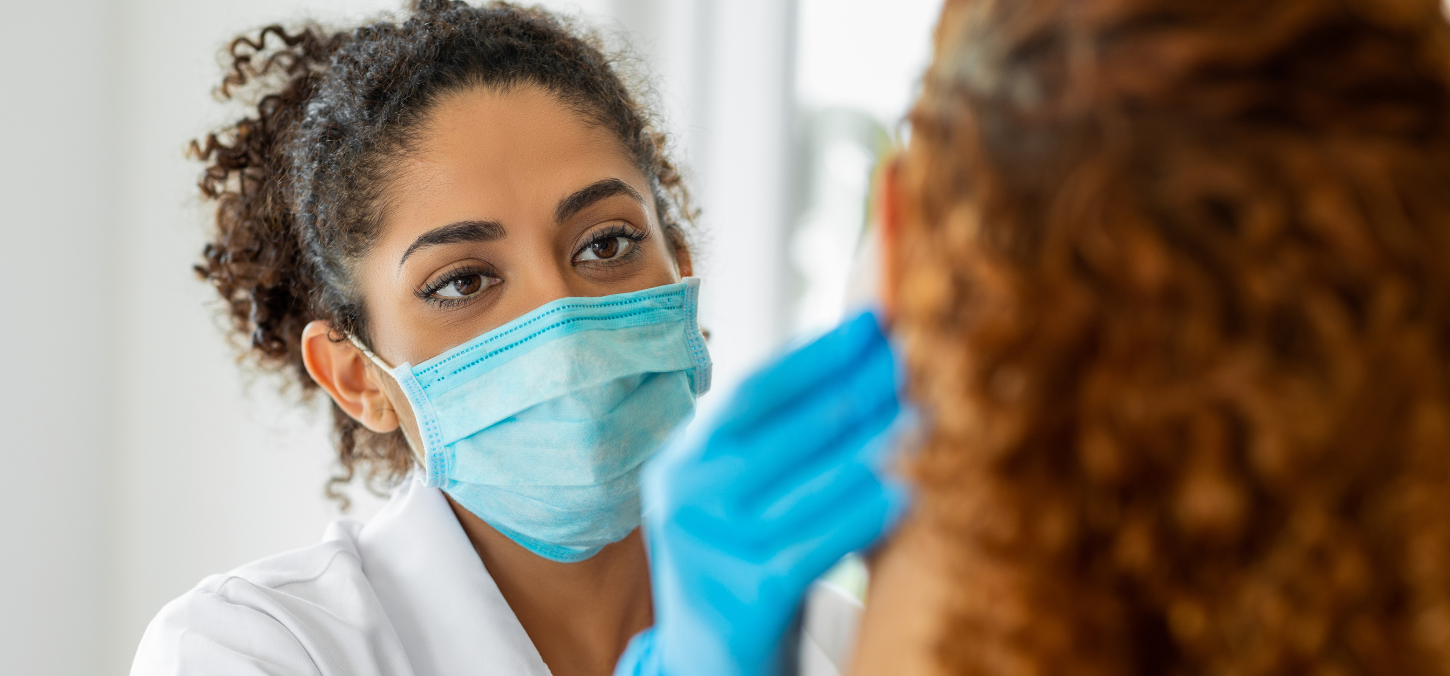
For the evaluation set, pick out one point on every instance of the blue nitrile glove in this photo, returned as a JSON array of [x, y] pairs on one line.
[[745, 511]]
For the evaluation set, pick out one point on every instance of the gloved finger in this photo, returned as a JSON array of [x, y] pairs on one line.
[[822, 488], [813, 427], [752, 506], [808, 517], [864, 521], [801, 494], [802, 371], [708, 456], [782, 577], [739, 490], [805, 516], [734, 486], [871, 371], [812, 478]]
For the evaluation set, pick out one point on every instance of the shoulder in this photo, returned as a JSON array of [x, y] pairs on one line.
[[202, 632], [307, 611]]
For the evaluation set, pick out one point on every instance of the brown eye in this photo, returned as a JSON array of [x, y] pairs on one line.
[[461, 287], [606, 249]]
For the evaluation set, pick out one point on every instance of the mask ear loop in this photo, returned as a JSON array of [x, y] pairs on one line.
[[436, 464], [376, 360], [369, 354]]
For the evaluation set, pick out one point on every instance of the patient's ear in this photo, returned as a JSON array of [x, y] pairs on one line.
[[888, 217], [348, 376]]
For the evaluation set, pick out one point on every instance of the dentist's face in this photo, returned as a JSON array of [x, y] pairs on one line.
[[509, 201]]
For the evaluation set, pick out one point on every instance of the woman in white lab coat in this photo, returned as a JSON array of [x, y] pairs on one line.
[[415, 192]]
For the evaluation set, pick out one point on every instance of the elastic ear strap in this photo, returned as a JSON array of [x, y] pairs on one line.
[[435, 461], [369, 354]]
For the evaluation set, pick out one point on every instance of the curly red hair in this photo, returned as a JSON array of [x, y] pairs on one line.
[[1175, 293]]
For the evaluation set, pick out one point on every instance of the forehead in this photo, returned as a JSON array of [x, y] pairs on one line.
[[499, 150]]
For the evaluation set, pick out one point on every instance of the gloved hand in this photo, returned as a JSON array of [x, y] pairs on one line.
[[745, 511]]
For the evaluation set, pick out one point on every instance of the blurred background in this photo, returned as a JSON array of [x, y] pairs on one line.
[[141, 458]]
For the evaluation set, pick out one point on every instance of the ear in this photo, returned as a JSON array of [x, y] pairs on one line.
[[348, 376], [888, 204]]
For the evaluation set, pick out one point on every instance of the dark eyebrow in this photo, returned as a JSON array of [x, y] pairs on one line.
[[592, 193], [453, 233]]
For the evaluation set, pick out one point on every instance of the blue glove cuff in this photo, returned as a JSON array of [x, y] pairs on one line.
[[640, 657]]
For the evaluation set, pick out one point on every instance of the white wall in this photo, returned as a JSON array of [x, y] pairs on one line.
[[210, 471], [56, 337], [745, 180]]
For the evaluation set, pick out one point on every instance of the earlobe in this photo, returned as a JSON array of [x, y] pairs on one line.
[[348, 377]]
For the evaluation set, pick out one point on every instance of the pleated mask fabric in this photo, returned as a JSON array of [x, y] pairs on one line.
[[540, 427]]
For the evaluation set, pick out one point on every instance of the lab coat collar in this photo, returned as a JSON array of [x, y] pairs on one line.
[[447, 610]]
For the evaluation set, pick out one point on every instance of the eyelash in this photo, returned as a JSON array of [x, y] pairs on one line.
[[425, 293], [618, 230]]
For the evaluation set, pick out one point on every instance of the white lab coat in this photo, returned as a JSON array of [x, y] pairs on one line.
[[404, 595]]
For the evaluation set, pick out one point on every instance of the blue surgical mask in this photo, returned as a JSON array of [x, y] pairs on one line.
[[540, 426]]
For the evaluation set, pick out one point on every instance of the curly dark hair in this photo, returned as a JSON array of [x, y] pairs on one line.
[[297, 183], [1175, 294]]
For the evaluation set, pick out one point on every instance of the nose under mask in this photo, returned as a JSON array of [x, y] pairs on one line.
[[540, 427]]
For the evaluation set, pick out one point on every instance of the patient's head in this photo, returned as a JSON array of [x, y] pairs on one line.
[[1175, 289]]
